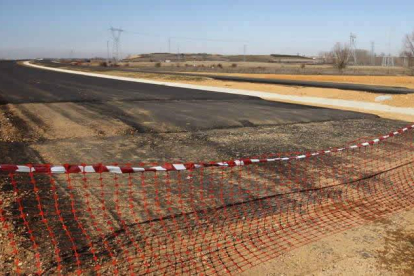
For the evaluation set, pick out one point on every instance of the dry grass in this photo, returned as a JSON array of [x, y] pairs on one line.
[[269, 68]]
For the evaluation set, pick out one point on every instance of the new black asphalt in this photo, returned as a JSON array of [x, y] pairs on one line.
[[63, 117], [21, 84], [372, 88]]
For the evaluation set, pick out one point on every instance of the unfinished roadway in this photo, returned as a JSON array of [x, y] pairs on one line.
[[52, 117]]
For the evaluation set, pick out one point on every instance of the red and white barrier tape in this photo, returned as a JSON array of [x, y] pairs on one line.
[[185, 166]]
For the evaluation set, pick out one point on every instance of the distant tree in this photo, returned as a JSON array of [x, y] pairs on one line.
[[341, 54], [408, 45], [326, 57]]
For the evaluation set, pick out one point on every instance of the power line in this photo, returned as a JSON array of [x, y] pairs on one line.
[[185, 37], [143, 34], [170, 38], [207, 39], [388, 60]]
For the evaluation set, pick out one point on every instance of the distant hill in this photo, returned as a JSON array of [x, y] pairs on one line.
[[162, 57], [290, 56]]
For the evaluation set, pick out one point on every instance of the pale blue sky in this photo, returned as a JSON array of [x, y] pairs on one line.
[[53, 28]]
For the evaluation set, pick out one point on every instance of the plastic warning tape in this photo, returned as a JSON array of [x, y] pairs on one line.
[[99, 168]]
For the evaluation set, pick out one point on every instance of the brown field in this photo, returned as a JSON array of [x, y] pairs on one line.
[[295, 67], [271, 68]]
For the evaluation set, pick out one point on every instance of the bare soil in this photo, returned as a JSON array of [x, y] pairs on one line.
[[385, 247], [393, 81]]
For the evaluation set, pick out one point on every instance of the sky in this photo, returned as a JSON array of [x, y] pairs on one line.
[[80, 28]]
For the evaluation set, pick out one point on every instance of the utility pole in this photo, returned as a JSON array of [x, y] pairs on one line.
[[388, 60], [107, 52], [169, 45], [352, 47], [372, 53], [178, 53], [116, 35]]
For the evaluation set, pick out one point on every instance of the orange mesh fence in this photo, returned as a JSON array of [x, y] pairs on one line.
[[207, 218]]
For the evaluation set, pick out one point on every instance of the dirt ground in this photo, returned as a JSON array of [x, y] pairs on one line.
[[370, 249], [385, 247], [394, 81]]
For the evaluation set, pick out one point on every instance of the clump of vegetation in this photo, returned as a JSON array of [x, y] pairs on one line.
[[103, 64], [220, 66], [234, 65], [303, 66], [408, 46], [158, 65], [341, 54]]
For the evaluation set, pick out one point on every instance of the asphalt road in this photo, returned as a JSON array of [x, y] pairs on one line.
[[21, 84], [335, 85], [88, 119]]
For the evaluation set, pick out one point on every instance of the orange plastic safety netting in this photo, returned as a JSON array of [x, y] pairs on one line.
[[204, 218]]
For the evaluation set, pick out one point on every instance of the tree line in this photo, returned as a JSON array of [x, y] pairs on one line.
[[340, 55]]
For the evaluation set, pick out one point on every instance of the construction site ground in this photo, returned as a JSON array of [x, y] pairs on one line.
[[55, 118]]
